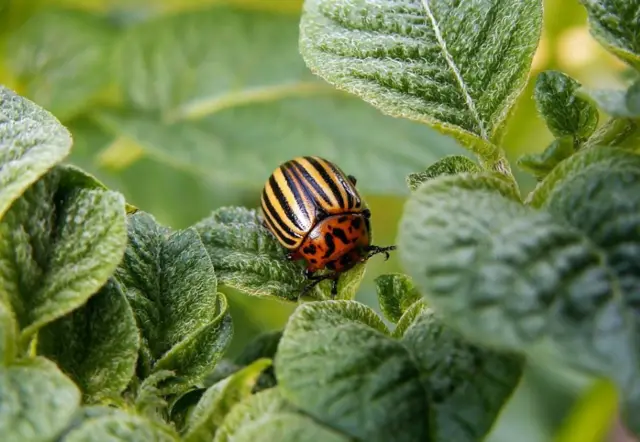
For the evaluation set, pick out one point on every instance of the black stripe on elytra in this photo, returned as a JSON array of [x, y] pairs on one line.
[[311, 182], [331, 247], [339, 233], [282, 201], [331, 182], [295, 190], [281, 225], [275, 231], [348, 185]]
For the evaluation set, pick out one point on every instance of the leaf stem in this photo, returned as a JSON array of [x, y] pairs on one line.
[[499, 164]]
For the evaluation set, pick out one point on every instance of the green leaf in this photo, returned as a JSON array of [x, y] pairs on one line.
[[59, 246], [38, 401], [601, 156], [617, 102], [360, 364], [408, 317], [468, 385], [218, 400], [96, 344], [614, 23], [62, 59], [268, 416], [450, 165], [264, 345], [457, 66], [8, 335], [396, 294], [229, 113], [539, 165], [172, 288], [247, 257], [565, 112], [121, 427], [517, 279], [32, 141]]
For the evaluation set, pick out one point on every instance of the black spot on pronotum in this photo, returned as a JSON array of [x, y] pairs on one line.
[[309, 250], [339, 233], [313, 261], [331, 247], [331, 265], [342, 219], [355, 223]]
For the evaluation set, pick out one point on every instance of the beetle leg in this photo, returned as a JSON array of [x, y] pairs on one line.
[[352, 179], [334, 288], [374, 250]]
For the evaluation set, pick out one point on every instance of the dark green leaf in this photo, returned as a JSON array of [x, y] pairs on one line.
[[396, 294], [59, 246], [468, 385], [121, 427], [264, 345], [38, 401], [171, 285], [408, 317], [541, 164], [32, 141], [449, 165], [360, 364], [62, 59], [614, 23], [458, 66], [231, 113], [8, 335], [517, 279], [96, 345], [216, 402], [268, 416], [565, 112]]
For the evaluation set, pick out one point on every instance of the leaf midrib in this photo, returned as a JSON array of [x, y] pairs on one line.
[[454, 68]]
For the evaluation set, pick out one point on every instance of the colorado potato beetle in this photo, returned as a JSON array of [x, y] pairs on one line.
[[314, 210]]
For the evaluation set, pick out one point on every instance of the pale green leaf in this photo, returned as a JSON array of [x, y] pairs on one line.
[[62, 59], [458, 66], [121, 427], [617, 102], [396, 294], [38, 401], [468, 385], [565, 112], [32, 141], [59, 245], [247, 257], [264, 414], [96, 344], [508, 276], [369, 386], [614, 23], [449, 165], [611, 157], [171, 285], [408, 317], [223, 94], [8, 335], [541, 164], [217, 401]]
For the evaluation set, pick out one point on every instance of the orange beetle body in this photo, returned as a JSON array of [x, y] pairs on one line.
[[314, 210]]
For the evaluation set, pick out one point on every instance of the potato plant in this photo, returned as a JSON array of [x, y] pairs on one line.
[[114, 327]]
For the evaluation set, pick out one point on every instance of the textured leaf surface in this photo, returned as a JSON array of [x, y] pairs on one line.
[[62, 59], [614, 23], [121, 427], [517, 279], [458, 66], [96, 345], [361, 365], [37, 401], [31, 142], [218, 400], [233, 99], [541, 164], [565, 113], [396, 293], [59, 246], [267, 415], [247, 257], [468, 385], [171, 285], [449, 165]]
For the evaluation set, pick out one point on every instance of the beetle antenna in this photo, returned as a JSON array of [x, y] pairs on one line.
[[374, 250]]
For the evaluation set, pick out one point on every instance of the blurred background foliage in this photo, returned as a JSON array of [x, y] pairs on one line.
[[188, 105]]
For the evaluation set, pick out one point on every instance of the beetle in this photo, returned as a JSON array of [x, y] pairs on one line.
[[315, 212]]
